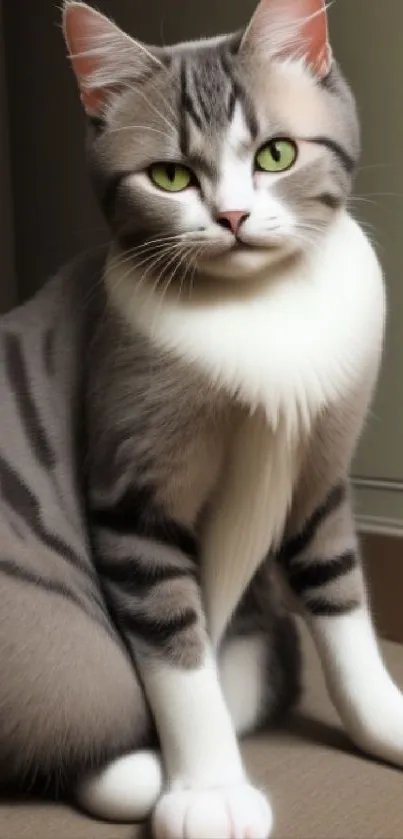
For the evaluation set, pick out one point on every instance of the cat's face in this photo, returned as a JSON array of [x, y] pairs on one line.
[[220, 158]]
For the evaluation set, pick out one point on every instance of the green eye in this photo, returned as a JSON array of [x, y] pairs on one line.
[[171, 177], [276, 156]]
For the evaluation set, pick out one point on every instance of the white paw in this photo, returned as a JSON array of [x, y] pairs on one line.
[[377, 727], [368, 701], [125, 791], [232, 812]]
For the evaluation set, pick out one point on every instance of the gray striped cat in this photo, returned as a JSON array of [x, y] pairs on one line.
[[178, 417]]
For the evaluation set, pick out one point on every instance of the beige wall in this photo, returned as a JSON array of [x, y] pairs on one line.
[[367, 36], [55, 215]]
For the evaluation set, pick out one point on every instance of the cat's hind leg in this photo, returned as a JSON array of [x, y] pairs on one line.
[[72, 711], [126, 789], [260, 661]]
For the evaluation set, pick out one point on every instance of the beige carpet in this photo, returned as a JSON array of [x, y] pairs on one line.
[[320, 787]]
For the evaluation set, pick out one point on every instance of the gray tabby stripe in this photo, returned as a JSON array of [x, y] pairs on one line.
[[187, 107], [9, 568], [19, 385], [15, 525], [231, 104], [137, 579], [344, 158], [19, 496], [49, 351], [299, 543], [330, 82], [248, 110], [107, 188], [329, 200], [201, 87], [318, 573], [137, 514], [157, 632], [202, 97], [238, 94], [97, 124], [320, 607]]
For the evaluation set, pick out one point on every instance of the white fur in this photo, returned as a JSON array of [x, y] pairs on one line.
[[243, 668], [126, 791], [292, 342], [234, 812], [241, 188], [248, 515], [286, 346], [197, 738], [271, 228], [235, 190], [369, 703], [203, 762]]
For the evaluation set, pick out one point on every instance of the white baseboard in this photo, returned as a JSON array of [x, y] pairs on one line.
[[380, 526], [379, 506]]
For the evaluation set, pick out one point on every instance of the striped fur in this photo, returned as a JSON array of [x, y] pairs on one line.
[[69, 496], [174, 447]]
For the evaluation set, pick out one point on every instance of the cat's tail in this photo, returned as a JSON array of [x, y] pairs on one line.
[[127, 790]]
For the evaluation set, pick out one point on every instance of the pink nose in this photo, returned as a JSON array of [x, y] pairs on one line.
[[232, 220]]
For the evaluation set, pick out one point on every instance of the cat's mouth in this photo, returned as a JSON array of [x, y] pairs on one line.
[[237, 246], [239, 259]]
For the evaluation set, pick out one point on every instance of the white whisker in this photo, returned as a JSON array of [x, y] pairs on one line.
[[136, 128], [154, 108]]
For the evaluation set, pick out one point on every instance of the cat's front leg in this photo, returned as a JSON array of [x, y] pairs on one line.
[[208, 793], [149, 576], [323, 566]]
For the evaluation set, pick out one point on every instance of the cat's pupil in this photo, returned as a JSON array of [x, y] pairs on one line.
[[276, 153], [171, 172]]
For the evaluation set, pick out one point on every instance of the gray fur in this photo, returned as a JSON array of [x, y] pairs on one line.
[[69, 697], [102, 439], [193, 94]]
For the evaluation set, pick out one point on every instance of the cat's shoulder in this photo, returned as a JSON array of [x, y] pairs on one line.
[[65, 295]]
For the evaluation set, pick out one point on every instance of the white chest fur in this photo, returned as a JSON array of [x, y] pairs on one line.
[[286, 349], [290, 345]]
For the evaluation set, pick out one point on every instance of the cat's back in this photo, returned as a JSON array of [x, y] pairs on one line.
[[40, 340], [42, 350], [55, 634]]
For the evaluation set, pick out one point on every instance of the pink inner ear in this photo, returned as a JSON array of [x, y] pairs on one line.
[[93, 101], [82, 26], [307, 22], [315, 33]]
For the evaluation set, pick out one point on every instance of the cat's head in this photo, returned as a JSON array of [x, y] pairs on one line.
[[218, 156]]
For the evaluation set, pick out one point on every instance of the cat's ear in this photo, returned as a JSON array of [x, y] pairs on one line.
[[285, 28], [103, 57]]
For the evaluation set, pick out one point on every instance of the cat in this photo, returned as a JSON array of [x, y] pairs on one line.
[[178, 418]]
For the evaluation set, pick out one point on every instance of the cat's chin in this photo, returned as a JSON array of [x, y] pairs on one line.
[[243, 262]]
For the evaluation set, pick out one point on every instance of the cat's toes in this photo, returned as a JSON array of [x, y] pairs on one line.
[[233, 812]]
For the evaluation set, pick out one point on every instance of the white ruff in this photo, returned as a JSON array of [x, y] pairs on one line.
[[248, 516], [288, 348], [297, 343]]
